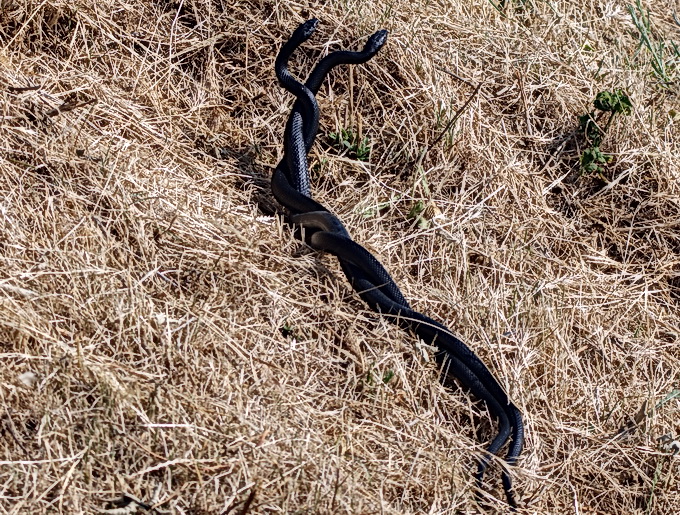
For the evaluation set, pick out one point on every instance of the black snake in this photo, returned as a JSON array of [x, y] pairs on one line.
[[291, 188]]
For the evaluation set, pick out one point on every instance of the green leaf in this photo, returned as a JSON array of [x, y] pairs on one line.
[[674, 394], [387, 376], [416, 212], [592, 158], [613, 102], [416, 209], [347, 141]]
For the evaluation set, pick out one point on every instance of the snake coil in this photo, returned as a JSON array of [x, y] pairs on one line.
[[291, 188]]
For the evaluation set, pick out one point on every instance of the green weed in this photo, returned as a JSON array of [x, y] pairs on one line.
[[655, 44], [615, 103], [387, 376], [287, 330], [416, 213], [373, 376], [348, 141]]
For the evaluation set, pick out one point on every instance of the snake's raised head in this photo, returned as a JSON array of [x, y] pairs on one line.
[[375, 42], [304, 31]]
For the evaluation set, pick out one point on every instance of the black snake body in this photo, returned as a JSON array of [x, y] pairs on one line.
[[291, 188]]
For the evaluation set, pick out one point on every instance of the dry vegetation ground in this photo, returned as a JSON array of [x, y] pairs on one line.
[[163, 335]]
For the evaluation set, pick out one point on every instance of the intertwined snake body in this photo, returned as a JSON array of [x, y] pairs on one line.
[[291, 188]]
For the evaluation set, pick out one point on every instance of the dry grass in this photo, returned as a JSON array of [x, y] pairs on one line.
[[164, 336]]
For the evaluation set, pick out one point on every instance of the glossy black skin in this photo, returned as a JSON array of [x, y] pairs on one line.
[[291, 187]]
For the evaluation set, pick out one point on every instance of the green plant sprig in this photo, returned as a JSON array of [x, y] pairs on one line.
[[664, 69], [616, 103], [348, 141]]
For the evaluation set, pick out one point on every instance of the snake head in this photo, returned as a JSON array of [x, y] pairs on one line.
[[375, 42], [304, 31]]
